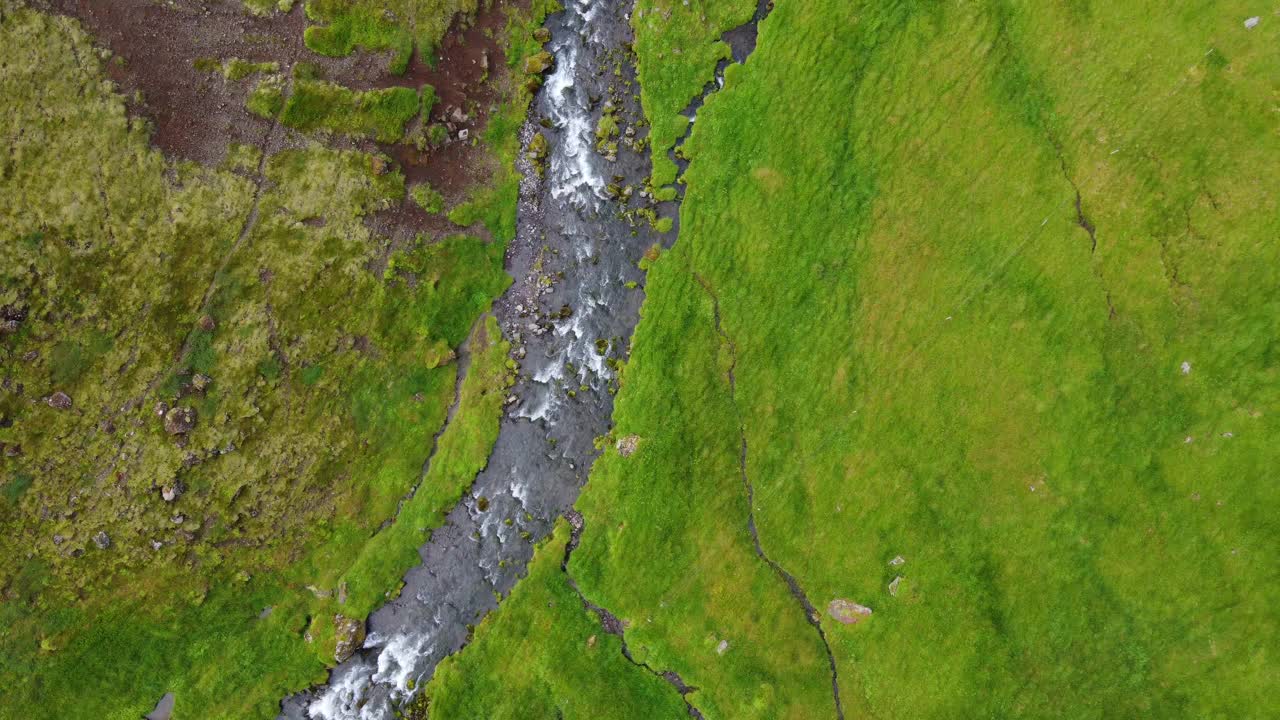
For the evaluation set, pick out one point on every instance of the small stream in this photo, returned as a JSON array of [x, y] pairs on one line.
[[568, 314]]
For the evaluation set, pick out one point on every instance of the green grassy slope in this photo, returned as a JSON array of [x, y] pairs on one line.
[[543, 655], [681, 42], [934, 361], [128, 281]]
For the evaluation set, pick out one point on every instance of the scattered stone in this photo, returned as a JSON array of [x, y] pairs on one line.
[[591, 641], [58, 539], [201, 382], [179, 420], [322, 594], [463, 134], [628, 445], [847, 611], [1186, 367], [207, 323], [722, 647], [102, 540], [379, 165], [8, 327], [542, 35], [893, 586], [1252, 22], [156, 544], [342, 593], [178, 519], [12, 449], [897, 560], [349, 636], [172, 492], [59, 401]]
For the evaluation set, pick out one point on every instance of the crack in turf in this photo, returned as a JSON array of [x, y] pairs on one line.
[[613, 625], [1086, 224], [810, 612], [690, 111], [464, 365]]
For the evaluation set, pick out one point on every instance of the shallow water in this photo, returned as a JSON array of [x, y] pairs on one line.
[[572, 249]]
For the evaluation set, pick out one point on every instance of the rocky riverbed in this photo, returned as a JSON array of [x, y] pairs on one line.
[[569, 315]]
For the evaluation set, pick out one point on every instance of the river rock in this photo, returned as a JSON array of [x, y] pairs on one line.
[[847, 611], [59, 401], [179, 420], [538, 64], [349, 636]]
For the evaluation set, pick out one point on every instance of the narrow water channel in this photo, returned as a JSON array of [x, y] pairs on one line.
[[569, 313]]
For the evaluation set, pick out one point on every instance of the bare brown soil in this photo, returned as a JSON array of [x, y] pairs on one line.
[[196, 114]]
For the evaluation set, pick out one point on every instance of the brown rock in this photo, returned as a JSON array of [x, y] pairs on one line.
[[179, 420]]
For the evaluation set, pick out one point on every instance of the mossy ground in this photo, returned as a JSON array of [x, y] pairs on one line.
[[133, 280]]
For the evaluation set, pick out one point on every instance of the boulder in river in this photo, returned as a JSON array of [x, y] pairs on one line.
[[538, 64], [348, 635]]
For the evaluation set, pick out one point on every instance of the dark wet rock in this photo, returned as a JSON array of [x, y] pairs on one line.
[[538, 64], [628, 445], [59, 401], [179, 420], [847, 611], [163, 709], [102, 540], [349, 636]]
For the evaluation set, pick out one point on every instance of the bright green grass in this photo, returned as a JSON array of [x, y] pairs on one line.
[[379, 114], [931, 362], [543, 655], [374, 26], [681, 43]]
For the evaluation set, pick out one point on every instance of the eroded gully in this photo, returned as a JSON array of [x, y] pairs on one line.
[[569, 315]]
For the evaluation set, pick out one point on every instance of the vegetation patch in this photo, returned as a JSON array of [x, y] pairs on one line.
[[378, 114]]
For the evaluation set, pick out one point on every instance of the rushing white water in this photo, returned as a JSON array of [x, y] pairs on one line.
[[546, 443]]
